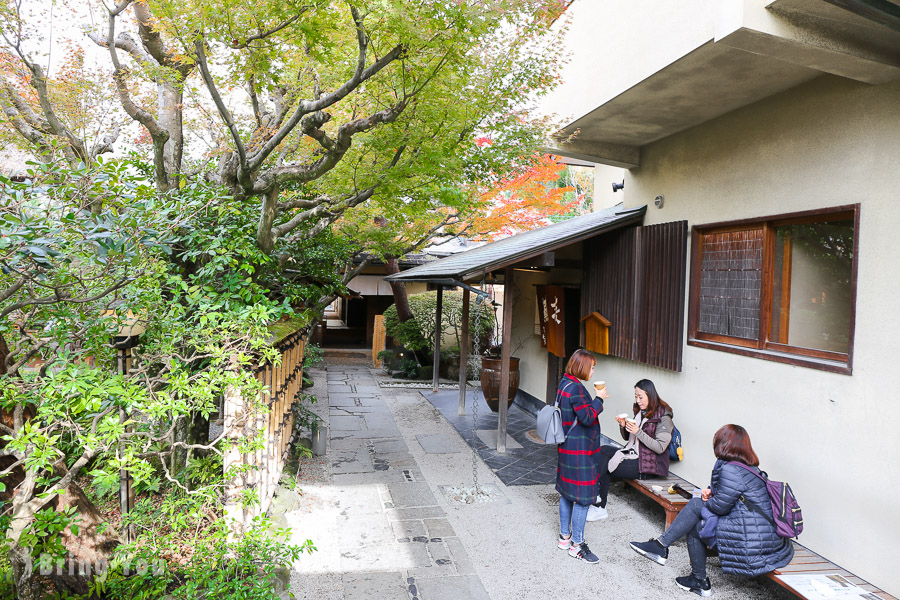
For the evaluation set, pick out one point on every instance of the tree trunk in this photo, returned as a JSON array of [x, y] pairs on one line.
[[198, 429], [401, 299], [88, 552], [169, 100]]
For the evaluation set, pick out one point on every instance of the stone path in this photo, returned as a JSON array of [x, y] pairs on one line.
[[378, 509], [378, 527]]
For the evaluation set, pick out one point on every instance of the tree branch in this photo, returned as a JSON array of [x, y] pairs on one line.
[[243, 172], [360, 75], [159, 135], [261, 35]]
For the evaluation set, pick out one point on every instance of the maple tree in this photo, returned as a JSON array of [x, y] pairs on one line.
[[314, 107], [530, 198], [299, 133]]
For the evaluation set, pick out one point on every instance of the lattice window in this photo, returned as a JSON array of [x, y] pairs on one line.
[[730, 283]]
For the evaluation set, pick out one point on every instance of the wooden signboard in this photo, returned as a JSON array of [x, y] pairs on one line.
[[378, 340], [552, 318], [596, 333]]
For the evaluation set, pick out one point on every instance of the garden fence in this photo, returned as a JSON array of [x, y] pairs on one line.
[[261, 470]]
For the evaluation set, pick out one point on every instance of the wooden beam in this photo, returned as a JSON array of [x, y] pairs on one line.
[[464, 353], [503, 394], [437, 338]]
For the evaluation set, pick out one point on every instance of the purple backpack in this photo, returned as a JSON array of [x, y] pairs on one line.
[[788, 520]]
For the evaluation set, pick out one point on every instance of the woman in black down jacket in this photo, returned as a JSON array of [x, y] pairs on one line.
[[747, 541]]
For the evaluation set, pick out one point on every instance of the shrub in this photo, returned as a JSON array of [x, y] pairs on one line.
[[417, 333]]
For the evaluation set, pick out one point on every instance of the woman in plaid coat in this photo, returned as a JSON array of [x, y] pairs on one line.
[[576, 475]]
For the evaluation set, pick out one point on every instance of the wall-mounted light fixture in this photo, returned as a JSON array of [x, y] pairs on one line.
[[618, 186]]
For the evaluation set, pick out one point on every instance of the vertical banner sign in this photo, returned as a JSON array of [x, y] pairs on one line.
[[552, 315]]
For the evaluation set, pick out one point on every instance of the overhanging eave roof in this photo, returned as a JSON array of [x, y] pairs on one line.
[[509, 251]]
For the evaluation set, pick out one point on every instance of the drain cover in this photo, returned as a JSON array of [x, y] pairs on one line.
[[551, 499]]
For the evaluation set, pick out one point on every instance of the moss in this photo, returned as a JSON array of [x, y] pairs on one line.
[[284, 328]]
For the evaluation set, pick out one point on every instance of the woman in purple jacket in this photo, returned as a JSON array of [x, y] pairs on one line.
[[576, 475], [745, 536]]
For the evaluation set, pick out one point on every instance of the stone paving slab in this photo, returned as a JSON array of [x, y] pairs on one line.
[[453, 588], [384, 557], [489, 437], [344, 423], [437, 444], [438, 528], [352, 461], [378, 585], [411, 495]]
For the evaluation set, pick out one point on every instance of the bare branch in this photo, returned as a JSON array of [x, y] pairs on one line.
[[243, 172], [62, 297], [128, 44]]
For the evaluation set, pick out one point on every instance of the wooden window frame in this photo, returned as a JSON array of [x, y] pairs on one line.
[[763, 347]]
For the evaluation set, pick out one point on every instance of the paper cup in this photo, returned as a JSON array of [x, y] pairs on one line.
[[599, 385], [623, 416]]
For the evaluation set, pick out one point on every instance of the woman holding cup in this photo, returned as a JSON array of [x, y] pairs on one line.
[[576, 473], [646, 453]]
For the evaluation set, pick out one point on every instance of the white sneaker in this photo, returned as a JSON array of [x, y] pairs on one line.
[[596, 513]]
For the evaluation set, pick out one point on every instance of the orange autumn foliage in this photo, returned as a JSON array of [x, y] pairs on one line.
[[524, 201]]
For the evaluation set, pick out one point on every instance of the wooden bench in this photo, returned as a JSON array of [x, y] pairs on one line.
[[671, 503], [807, 562]]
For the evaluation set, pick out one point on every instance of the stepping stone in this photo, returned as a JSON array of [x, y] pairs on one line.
[[437, 444]]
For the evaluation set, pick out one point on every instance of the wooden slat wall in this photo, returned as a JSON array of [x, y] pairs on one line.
[[608, 286], [661, 313], [635, 277], [282, 383]]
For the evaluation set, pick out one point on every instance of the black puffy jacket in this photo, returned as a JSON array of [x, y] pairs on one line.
[[748, 543]]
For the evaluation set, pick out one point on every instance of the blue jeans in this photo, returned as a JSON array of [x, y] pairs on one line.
[[685, 526], [571, 519]]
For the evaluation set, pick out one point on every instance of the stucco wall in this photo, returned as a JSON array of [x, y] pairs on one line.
[[603, 38], [833, 437]]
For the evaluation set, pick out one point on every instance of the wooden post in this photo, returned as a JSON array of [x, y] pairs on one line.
[[233, 409], [503, 394], [464, 353], [437, 337], [126, 491]]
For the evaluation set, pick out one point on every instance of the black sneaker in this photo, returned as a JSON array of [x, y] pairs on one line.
[[652, 549], [696, 585], [582, 552]]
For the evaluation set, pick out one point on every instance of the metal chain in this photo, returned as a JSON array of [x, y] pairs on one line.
[[479, 300]]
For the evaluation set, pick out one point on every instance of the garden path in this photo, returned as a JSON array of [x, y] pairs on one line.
[[378, 510]]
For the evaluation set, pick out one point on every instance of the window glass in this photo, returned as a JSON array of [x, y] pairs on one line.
[[730, 283], [811, 292]]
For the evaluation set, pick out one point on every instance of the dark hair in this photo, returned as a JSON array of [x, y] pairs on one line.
[[656, 407], [580, 364], [732, 442]]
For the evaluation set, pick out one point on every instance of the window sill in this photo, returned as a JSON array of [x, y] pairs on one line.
[[821, 364]]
